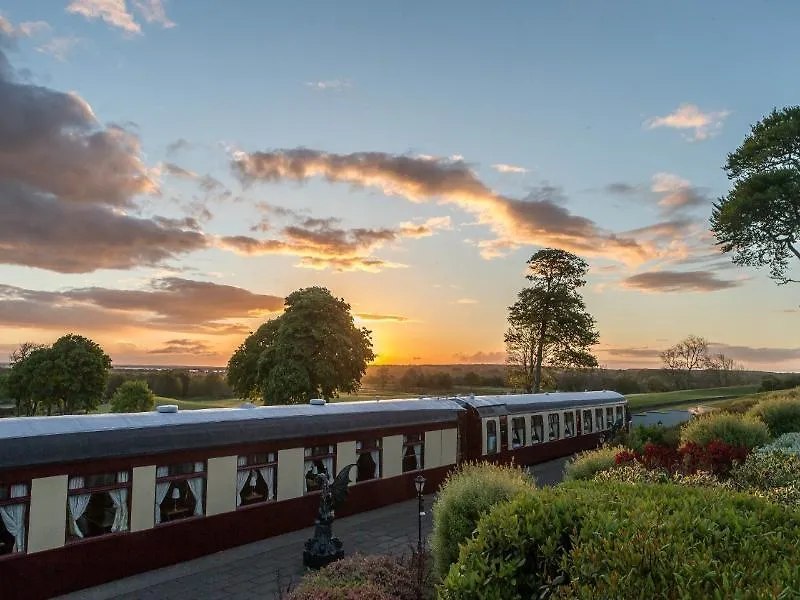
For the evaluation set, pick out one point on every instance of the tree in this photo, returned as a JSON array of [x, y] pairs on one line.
[[549, 324], [23, 351], [723, 367], [383, 378], [312, 350], [686, 356], [759, 219], [133, 396], [31, 382], [81, 373]]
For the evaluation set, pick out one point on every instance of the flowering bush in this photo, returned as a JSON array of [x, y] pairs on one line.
[[788, 443], [780, 412]]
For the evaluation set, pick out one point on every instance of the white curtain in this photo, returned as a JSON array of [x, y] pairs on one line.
[[77, 504], [161, 491], [120, 499], [418, 454], [268, 474], [14, 517], [241, 479], [328, 462], [196, 486], [376, 457]]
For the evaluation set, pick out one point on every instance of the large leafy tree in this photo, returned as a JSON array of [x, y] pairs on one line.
[[312, 350], [133, 396], [549, 323], [68, 377], [759, 219]]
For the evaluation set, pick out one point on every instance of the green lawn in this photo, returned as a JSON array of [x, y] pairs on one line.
[[659, 399]]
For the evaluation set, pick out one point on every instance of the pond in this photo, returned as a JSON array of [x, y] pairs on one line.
[[667, 417]]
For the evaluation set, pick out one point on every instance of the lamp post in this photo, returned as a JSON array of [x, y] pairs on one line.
[[419, 482]]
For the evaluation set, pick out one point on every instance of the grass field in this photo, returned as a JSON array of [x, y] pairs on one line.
[[662, 399]]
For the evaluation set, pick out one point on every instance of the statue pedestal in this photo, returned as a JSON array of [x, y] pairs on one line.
[[323, 548]]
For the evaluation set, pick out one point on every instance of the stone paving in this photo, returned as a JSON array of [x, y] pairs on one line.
[[260, 569]]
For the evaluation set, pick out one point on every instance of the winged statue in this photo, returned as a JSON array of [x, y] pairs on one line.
[[323, 548]]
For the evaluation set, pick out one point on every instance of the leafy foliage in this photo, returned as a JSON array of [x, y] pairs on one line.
[[549, 324], [612, 540], [759, 219], [772, 474], [781, 413], [659, 435], [359, 578], [585, 464], [736, 430], [467, 493], [788, 443], [133, 396], [312, 350]]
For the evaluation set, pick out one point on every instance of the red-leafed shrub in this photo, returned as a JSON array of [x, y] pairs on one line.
[[624, 457], [715, 457]]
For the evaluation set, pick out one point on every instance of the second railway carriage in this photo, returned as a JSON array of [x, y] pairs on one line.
[[86, 499]]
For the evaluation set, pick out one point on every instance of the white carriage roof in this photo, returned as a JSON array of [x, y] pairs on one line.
[[528, 403]]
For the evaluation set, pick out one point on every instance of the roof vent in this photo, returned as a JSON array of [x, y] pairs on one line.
[[167, 408], [317, 402], [472, 395], [247, 405]]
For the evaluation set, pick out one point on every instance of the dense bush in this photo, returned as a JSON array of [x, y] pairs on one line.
[[466, 494], [132, 396], [610, 540], [654, 434], [788, 442], [780, 412], [773, 475], [736, 430], [585, 464], [359, 578], [715, 457]]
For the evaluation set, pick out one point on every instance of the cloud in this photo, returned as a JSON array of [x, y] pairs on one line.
[[332, 85], [503, 168], [176, 171], [167, 304], [676, 193], [184, 346], [636, 352], [113, 12], [153, 11], [689, 116], [620, 188], [382, 318], [23, 30], [538, 219], [466, 301], [60, 47], [176, 146], [677, 281], [759, 355], [481, 357]]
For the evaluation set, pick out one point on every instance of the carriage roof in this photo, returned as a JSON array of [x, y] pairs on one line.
[[499, 405]]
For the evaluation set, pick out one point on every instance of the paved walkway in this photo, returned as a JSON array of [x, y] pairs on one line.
[[260, 569]]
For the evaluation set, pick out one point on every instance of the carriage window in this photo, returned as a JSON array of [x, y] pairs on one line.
[[517, 432], [620, 414], [586, 421], [609, 417], [569, 424], [97, 504], [537, 429], [319, 460], [14, 501], [256, 478], [598, 419], [413, 452], [554, 424], [179, 491], [491, 437], [368, 465]]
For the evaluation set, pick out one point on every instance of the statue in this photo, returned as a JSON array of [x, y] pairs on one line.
[[323, 548]]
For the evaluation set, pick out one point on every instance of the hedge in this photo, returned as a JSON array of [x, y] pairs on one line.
[[735, 430], [641, 435], [788, 443], [467, 493], [781, 413], [774, 475], [585, 464], [359, 577], [610, 540]]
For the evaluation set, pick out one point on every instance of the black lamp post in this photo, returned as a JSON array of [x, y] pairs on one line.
[[419, 482]]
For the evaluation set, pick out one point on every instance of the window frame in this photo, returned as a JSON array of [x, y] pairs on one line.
[[312, 457], [369, 450], [69, 539], [184, 477], [533, 429], [559, 432], [410, 443], [514, 429], [584, 429], [257, 466], [24, 500], [602, 426], [564, 433], [609, 424], [496, 436]]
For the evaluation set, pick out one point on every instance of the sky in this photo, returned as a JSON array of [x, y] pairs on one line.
[[170, 170]]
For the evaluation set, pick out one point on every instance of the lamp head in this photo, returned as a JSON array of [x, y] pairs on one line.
[[419, 482], [176, 494]]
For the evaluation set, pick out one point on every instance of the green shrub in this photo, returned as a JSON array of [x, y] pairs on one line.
[[773, 475], [736, 430], [641, 435], [780, 412], [359, 577], [788, 442], [467, 493], [609, 540], [133, 396], [585, 464]]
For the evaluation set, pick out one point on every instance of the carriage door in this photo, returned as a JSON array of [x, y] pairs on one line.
[[503, 434], [578, 428]]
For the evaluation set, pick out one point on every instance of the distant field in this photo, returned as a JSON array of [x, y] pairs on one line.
[[659, 399]]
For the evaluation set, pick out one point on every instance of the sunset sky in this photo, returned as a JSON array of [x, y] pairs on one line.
[[171, 169]]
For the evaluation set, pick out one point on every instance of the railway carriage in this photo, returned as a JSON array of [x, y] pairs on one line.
[[86, 499]]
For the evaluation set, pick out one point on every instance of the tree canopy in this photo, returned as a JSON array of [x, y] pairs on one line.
[[759, 219], [549, 323], [68, 377], [133, 395], [311, 350]]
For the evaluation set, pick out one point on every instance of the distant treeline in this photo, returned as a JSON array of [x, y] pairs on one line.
[[174, 383]]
